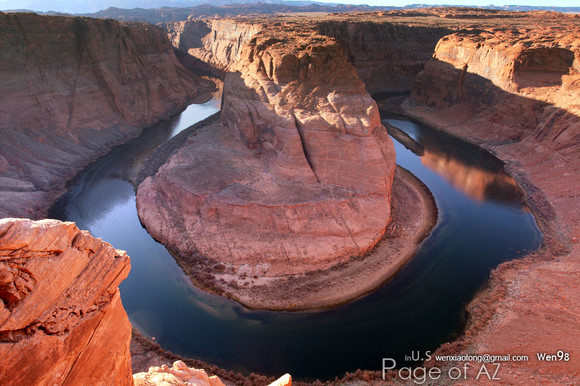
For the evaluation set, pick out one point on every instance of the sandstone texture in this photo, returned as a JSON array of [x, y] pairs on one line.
[[356, 277], [72, 88], [178, 374], [214, 41], [61, 317], [294, 177], [387, 56], [516, 91], [146, 353]]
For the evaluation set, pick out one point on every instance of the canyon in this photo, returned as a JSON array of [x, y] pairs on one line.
[[296, 109], [72, 89], [296, 131]]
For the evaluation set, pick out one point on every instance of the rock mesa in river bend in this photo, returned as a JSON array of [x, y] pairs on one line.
[[296, 175]]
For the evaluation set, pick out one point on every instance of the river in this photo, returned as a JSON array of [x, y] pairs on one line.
[[482, 223]]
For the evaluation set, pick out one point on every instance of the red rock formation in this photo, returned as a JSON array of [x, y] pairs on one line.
[[387, 56], [72, 88], [515, 92], [61, 317], [178, 374], [297, 175], [217, 42]]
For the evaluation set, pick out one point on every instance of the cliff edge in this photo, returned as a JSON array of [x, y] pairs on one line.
[[61, 317], [73, 88], [296, 175]]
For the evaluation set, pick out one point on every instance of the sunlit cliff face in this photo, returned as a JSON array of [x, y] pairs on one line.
[[477, 183]]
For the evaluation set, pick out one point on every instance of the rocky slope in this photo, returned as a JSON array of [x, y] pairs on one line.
[[507, 82], [512, 91], [61, 317], [387, 56], [515, 91], [295, 176], [217, 42], [72, 88]]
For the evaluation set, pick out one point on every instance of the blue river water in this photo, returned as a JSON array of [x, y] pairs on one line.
[[482, 222]]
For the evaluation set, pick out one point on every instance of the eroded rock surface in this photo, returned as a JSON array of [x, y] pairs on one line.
[[214, 41], [61, 316], [387, 56], [515, 91], [178, 374], [296, 175], [72, 88]]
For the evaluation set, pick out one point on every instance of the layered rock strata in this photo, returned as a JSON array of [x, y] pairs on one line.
[[72, 88], [178, 374], [295, 177], [387, 56], [213, 41], [61, 317], [516, 92]]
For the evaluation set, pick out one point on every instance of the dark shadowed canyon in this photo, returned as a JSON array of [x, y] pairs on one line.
[[401, 180]]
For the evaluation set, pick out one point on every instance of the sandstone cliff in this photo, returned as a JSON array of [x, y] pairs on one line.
[[72, 88], [214, 41], [180, 374], [515, 91], [61, 317], [295, 177]]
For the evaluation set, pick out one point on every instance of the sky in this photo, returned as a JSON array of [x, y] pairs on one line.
[[19, 4]]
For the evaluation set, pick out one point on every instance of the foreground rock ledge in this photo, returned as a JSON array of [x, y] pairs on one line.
[[61, 316], [180, 374]]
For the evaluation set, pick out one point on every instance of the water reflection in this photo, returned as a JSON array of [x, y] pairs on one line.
[[96, 191], [422, 307], [467, 167]]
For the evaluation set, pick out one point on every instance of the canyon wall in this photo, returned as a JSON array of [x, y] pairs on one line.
[[72, 88], [510, 90], [515, 92], [296, 175], [387, 56], [176, 375], [61, 317], [213, 41]]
